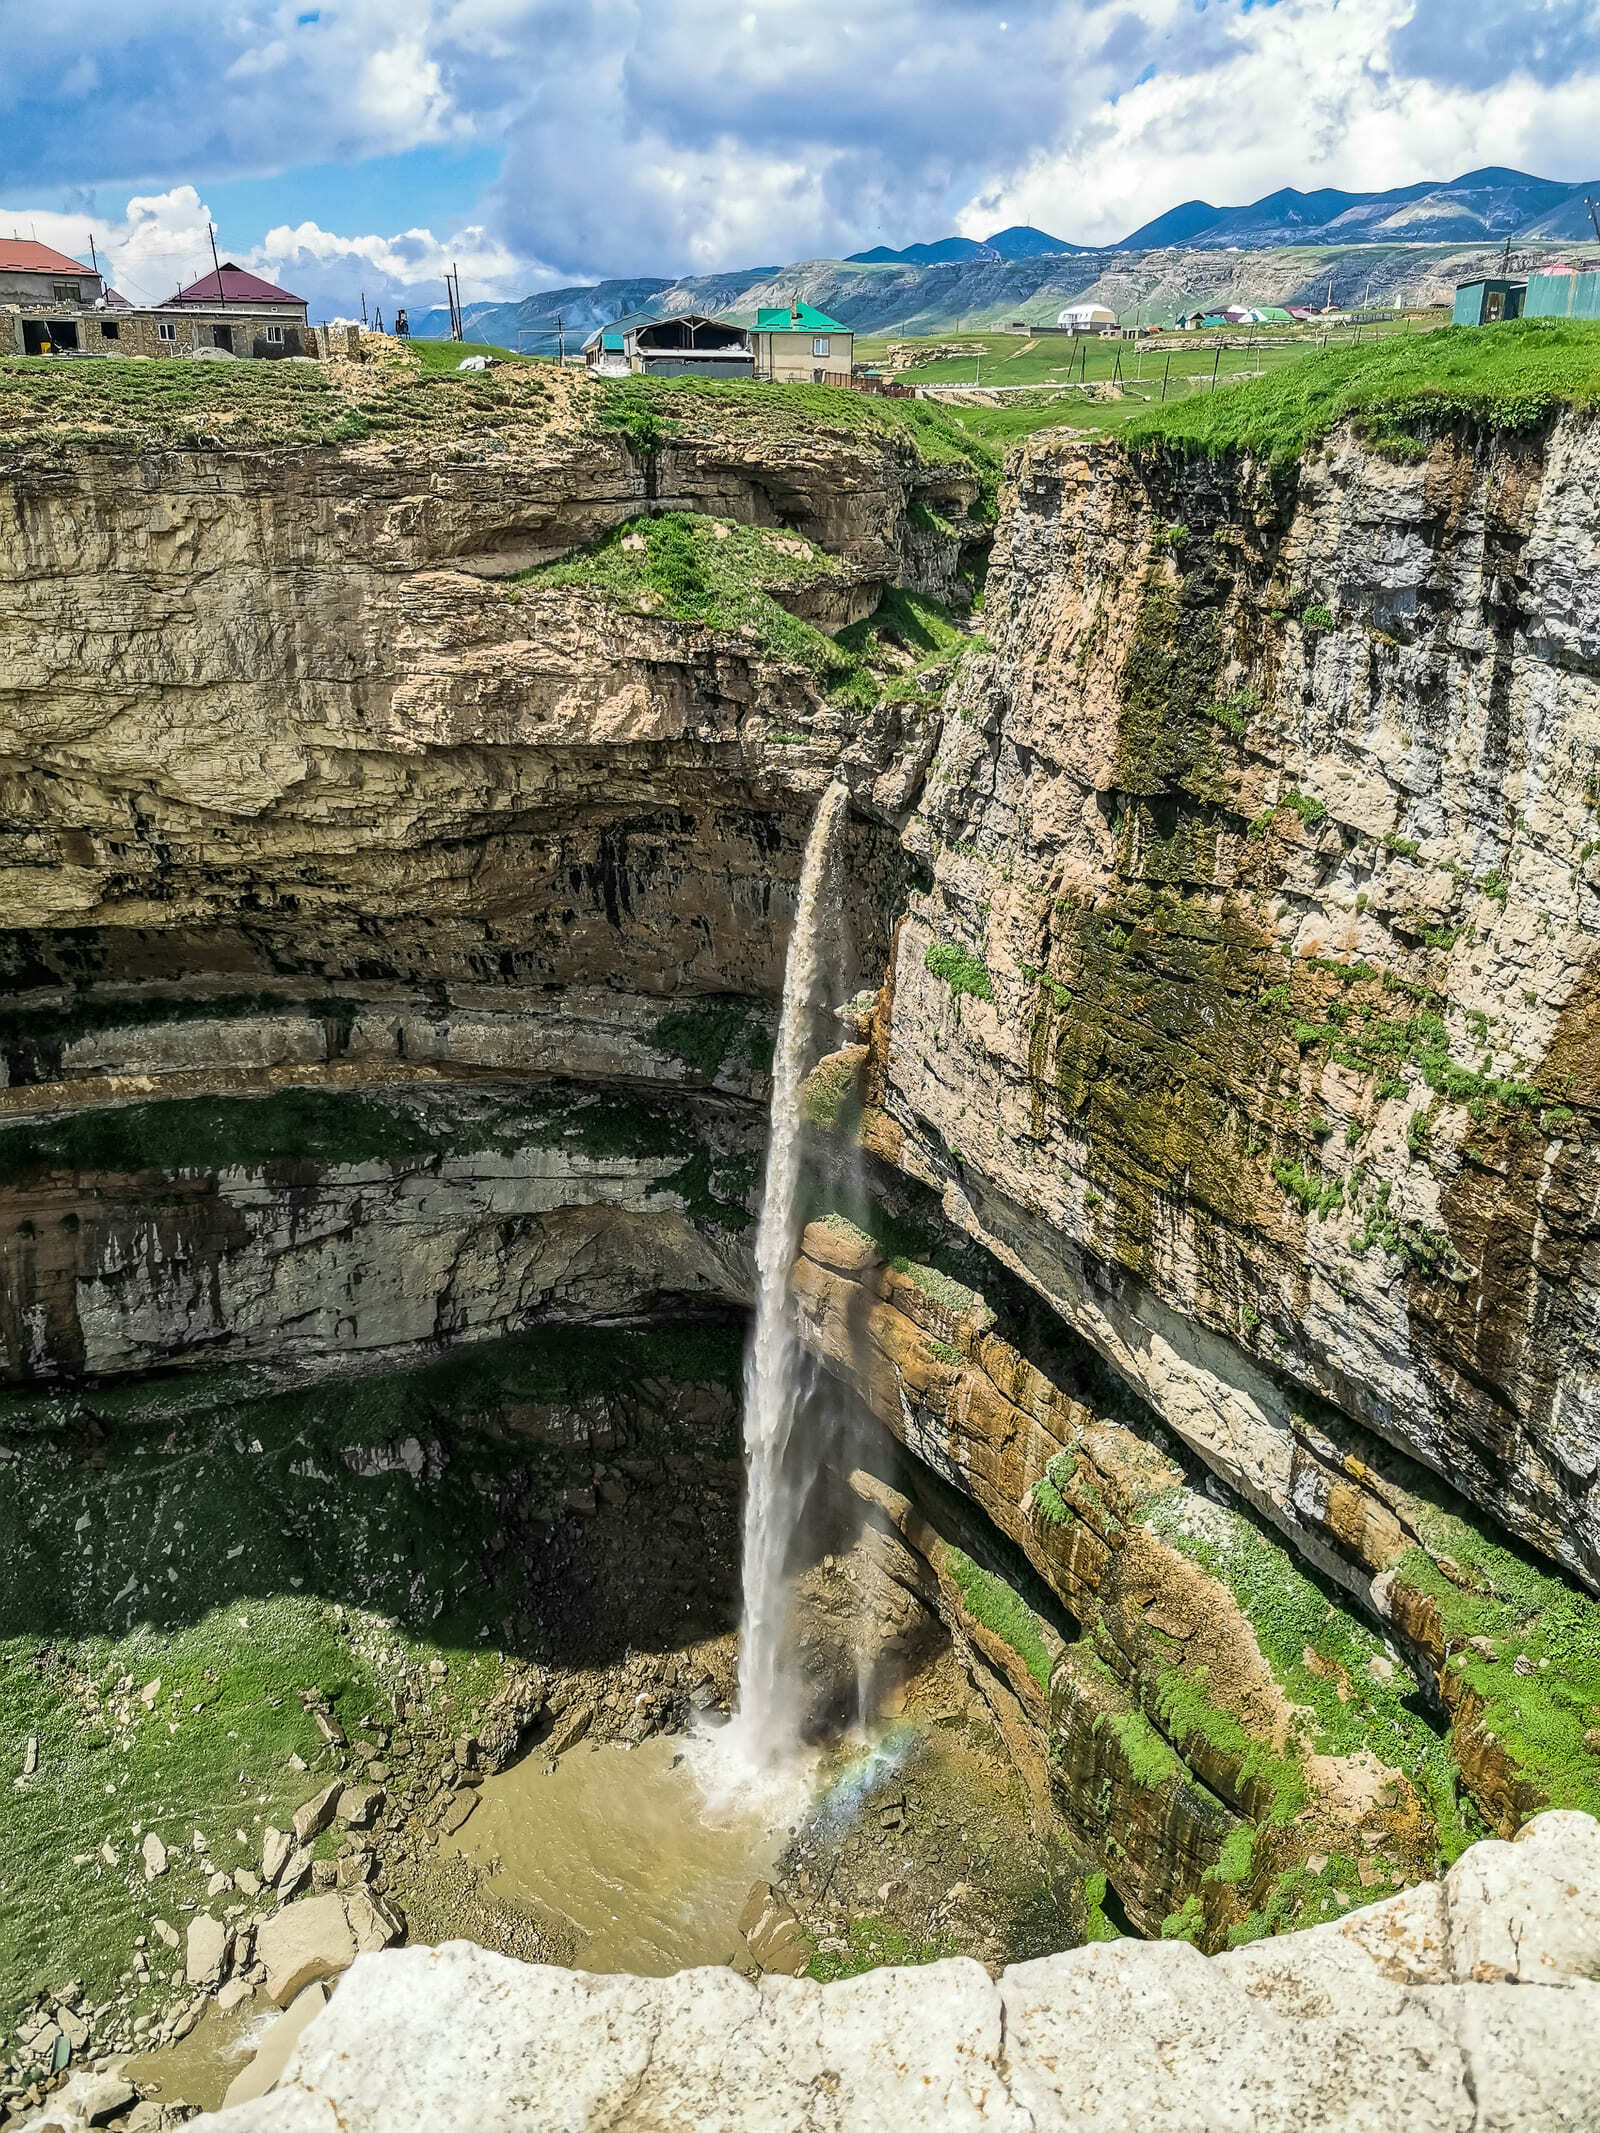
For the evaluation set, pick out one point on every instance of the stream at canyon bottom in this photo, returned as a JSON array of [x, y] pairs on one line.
[[639, 1851]]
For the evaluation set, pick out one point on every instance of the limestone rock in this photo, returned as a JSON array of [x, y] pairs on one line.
[[155, 1856], [774, 1935], [210, 1943], [1371, 2024], [360, 1805], [304, 1942], [275, 1849]]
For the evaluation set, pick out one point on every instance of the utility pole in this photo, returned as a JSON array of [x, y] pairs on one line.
[[364, 319], [1167, 373], [461, 324], [211, 231], [1594, 213], [1216, 366], [561, 342], [94, 258]]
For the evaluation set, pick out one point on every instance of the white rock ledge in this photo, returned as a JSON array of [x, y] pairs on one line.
[[1467, 2006]]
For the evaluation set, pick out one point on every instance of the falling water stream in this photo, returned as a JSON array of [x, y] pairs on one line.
[[775, 1491]]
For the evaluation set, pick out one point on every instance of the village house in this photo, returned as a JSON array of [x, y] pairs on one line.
[[48, 301], [685, 345], [53, 305], [798, 345]]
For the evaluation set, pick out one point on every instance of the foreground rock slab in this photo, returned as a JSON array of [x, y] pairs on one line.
[[1453, 2007]]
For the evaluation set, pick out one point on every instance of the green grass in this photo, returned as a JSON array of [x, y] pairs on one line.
[[1292, 1616], [653, 410], [1398, 392], [732, 578], [446, 357], [874, 1944], [1539, 1717], [1150, 1760], [219, 1535], [1002, 1611], [960, 969]]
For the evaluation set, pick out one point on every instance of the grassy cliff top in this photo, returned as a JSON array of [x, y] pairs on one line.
[[1512, 376], [401, 398]]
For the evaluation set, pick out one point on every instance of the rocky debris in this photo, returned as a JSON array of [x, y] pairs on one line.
[[1376, 2022], [276, 1846], [154, 1853], [360, 1805], [569, 1729], [456, 1811]]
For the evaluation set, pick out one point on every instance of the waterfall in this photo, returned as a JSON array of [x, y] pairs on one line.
[[774, 1491]]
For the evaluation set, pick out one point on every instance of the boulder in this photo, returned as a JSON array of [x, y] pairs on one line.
[[774, 1935], [456, 1811], [210, 1944], [304, 1942], [155, 1856], [314, 1816], [360, 1805], [275, 1850]]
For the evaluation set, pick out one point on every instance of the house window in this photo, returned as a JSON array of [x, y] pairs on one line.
[[819, 346], [275, 334], [65, 292], [165, 330], [110, 330]]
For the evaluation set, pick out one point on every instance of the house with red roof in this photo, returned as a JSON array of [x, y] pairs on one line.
[[232, 286], [52, 305]]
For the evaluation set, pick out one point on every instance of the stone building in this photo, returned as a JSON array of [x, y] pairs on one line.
[[52, 305]]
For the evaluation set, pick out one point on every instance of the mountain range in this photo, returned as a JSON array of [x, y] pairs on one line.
[[1407, 245]]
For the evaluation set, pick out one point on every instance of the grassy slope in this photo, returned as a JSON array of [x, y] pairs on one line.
[[1513, 376], [688, 568], [215, 1537]]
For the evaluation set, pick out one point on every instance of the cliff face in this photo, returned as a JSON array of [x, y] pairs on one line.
[[307, 799], [1267, 834], [393, 942], [1241, 1012]]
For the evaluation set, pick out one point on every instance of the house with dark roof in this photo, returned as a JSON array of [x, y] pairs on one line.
[[687, 344]]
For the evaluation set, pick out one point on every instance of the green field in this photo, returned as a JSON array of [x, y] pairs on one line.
[[1397, 393], [444, 356]]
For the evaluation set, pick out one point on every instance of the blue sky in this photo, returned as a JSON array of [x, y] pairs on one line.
[[363, 146]]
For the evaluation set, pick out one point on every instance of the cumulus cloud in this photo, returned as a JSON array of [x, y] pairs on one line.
[[405, 269], [162, 242], [679, 135]]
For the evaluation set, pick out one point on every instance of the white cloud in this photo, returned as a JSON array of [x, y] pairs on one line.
[[162, 242], [1306, 93], [664, 136], [408, 268]]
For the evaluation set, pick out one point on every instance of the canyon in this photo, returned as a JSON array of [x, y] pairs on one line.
[[1198, 1244]]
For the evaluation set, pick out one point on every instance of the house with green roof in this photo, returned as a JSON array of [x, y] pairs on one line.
[[795, 344]]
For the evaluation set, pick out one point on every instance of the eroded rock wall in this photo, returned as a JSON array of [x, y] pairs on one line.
[[1264, 851]]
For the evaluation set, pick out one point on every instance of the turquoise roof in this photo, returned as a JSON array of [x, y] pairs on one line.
[[782, 320], [611, 341]]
